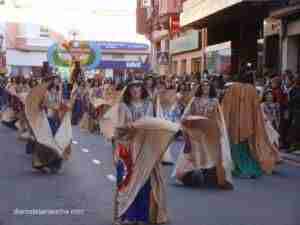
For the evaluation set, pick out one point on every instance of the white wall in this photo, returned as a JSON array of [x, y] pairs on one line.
[[18, 58]]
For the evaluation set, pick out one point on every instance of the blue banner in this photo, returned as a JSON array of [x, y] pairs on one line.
[[110, 64], [106, 45]]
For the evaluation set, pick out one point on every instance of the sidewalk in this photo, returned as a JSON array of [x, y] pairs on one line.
[[293, 156]]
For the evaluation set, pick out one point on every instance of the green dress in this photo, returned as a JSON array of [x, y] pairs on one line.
[[245, 166]]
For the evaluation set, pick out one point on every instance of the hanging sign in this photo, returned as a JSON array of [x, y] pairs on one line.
[[174, 24]]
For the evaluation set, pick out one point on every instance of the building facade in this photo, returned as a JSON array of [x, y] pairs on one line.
[[235, 25], [122, 59], [157, 20], [219, 36], [186, 54], [284, 41], [27, 46]]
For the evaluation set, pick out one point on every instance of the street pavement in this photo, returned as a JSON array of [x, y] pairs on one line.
[[86, 185]]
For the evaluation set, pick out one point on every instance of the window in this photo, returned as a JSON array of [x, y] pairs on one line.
[[196, 65], [44, 31]]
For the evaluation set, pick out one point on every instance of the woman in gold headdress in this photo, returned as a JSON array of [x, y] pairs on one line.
[[205, 160], [140, 195]]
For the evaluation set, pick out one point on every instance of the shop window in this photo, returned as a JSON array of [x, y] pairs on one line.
[[196, 65]]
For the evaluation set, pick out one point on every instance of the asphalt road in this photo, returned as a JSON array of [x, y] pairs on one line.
[[82, 193]]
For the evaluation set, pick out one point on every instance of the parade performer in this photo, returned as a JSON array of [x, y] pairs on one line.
[[51, 105], [79, 94], [205, 160], [8, 116], [97, 90], [294, 118], [251, 149], [178, 107], [150, 84], [52, 133], [87, 118], [2, 94], [140, 195], [163, 101], [271, 115]]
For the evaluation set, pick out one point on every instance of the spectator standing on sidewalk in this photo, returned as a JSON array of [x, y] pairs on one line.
[[271, 109], [294, 116], [2, 90], [281, 98]]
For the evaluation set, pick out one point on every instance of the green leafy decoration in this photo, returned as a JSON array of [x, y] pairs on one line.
[[58, 60]]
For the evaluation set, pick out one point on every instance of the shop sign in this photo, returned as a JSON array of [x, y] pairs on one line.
[[133, 64], [106, 45], [188, 42], [174, 24], [120, 65]]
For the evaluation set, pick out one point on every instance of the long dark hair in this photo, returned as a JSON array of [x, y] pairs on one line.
[[127, 97], [264, 98], [51, 86], [247, 78], [180, 86], [212, 91], [33, 83], [153, 81]]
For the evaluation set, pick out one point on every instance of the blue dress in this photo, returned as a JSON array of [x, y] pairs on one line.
[[78, 109], [139, 210]]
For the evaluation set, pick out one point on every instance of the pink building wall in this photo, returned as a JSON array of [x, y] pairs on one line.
[[11, 35], [15, 41]]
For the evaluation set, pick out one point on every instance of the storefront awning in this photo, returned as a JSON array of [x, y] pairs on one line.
[[202, 12]]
